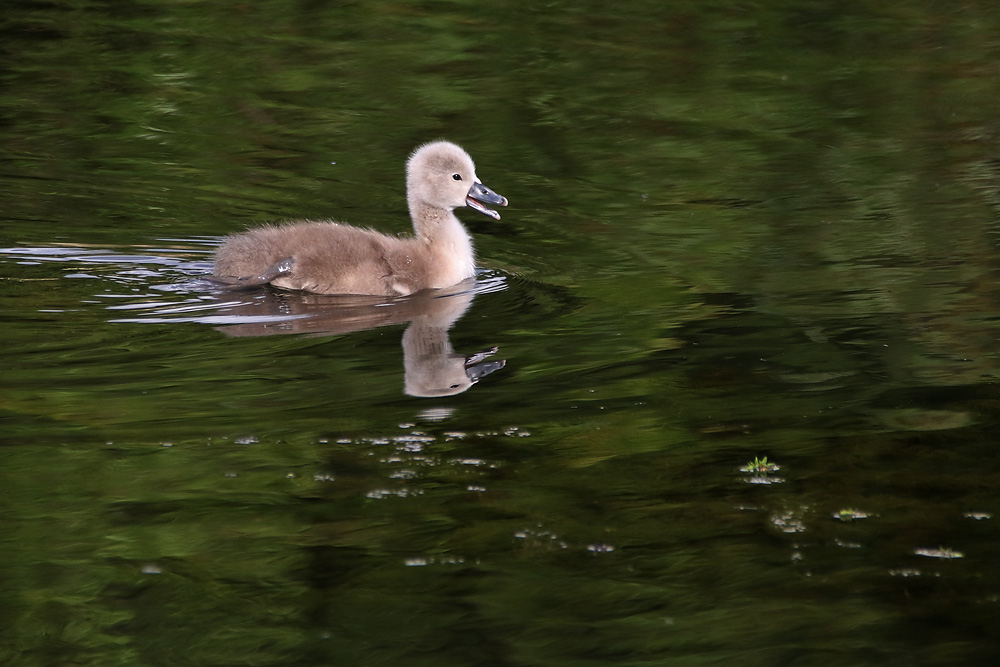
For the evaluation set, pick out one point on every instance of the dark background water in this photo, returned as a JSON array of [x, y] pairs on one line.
[[735, 232]]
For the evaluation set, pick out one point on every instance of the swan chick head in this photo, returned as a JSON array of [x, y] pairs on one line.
[[442, 175]]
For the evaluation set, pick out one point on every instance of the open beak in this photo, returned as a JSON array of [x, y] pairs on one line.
[[479, 194]]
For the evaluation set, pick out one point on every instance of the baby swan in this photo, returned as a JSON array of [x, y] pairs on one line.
[[332, 258]]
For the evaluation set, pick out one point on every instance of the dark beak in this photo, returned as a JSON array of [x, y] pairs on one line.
[[476, 367], [480, 193]]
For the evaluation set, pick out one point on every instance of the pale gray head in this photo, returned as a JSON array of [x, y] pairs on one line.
[[442, 175]]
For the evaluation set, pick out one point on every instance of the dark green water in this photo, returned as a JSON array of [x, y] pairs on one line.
[[736, 231]]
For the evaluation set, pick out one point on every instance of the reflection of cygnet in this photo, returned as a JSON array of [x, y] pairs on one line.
[[432, 367]]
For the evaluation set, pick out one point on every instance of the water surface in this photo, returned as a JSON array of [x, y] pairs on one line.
[[735, 233]]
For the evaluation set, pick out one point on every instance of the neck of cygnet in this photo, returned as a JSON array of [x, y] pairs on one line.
[[440, 226]]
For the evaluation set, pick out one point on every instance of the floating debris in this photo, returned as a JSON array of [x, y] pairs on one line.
[[906, 572], [600, 548], [788, 522], [379, 494], [940, 552], [764, 479], [422, 561], [847, 545]]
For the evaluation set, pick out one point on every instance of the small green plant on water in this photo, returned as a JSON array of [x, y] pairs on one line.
[[760, 466]]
